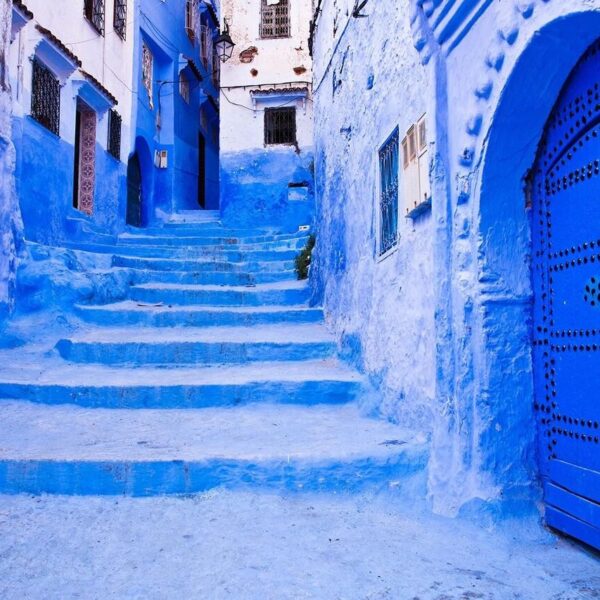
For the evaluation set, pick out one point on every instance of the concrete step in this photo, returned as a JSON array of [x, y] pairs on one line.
[[273, 242], [181, 264], [49, 380], [286, 292], [221, 254], [189, 345], [77, 451], [152, 315], [212, 277]]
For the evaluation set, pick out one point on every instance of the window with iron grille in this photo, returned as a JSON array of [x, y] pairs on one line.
[[45, 97], [114, 134], [280, 126], [148, 72], [388, 193], [184, 87], [120, 18], [190, 19], [275, 19], [94, 13]]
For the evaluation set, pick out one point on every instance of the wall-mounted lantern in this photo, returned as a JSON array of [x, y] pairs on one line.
[[224, 44]]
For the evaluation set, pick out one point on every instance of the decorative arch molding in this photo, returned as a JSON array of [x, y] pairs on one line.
[[502, 292]]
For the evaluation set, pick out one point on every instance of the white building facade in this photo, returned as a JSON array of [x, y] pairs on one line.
[[70, 64], [266, 114]]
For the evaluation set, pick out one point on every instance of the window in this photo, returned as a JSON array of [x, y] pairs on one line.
[[388, 193], [275, 19], [45, 97], [120, 18], [148, 72], [190, 20], [184, 87], [114, 134], [415, 164], [280, 126], [94, 13], [206, 45]]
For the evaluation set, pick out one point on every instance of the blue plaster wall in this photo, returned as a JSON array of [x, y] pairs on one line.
[[162, 29], [443, 326], [255, 188], [45, 184], [10, 221], [382, 310]]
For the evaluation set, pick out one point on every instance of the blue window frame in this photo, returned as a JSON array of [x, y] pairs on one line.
[[388, 192]]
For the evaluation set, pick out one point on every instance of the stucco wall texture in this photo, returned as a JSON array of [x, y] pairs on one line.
[[10, 226], [443, 323]]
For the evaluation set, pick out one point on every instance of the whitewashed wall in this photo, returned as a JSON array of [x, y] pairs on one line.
[[108, 58]]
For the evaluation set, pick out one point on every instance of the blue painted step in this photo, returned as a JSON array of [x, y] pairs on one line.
[[307, 383], [181, 264], [69, 450], [219, 278], [294, 292], [148, 315], [216, 345], [213, 243]]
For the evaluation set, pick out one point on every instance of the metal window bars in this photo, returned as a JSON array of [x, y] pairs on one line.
[[280, 126], [275, 19], [45, 97], [114, 134], [388, 193], [93, 11], [120, 18]]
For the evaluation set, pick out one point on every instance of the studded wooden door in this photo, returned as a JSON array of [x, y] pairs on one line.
[[566, 282]]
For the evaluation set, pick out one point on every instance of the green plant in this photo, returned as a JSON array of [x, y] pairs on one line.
[[303, 259]]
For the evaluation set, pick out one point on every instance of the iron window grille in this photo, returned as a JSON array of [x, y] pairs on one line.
[[45, 97], [184, 87], [114, 134], [190, 19], [206, 45], [280, 126], [120, 18], [93, 11], [148, 72], [388, 193], [275, 19]]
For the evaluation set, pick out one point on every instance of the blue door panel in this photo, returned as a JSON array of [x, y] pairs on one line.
[[566, 312]]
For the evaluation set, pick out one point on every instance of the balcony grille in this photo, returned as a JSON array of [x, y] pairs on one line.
[[280, 126], [275, 19], [45, 97], [120, 18], [114, 134], [94, 13], [388, 193]]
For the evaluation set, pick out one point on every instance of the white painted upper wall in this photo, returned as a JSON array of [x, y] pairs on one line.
[[272, 65], [107, 58]]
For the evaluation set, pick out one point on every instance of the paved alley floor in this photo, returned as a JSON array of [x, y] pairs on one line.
[[243, 545]]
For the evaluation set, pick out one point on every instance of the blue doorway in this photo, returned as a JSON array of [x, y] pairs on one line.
[[565, 202]]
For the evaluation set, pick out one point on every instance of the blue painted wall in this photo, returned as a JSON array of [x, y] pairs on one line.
[[270, 187], [169, 123]]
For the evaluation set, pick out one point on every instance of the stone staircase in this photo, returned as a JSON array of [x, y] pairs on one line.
[[214, 371]]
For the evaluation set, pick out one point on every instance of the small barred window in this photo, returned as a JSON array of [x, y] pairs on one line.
[[120, 18], [280, 126], [45, 97], [275, 19], [94, 13], [114, 134], [148, 71], [184, 87]]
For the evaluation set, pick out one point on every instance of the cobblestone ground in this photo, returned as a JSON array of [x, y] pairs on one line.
[[246, 545]]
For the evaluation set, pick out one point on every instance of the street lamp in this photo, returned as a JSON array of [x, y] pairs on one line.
[[224, 44]]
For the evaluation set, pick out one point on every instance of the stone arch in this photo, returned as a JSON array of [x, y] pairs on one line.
[[510, 144]]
